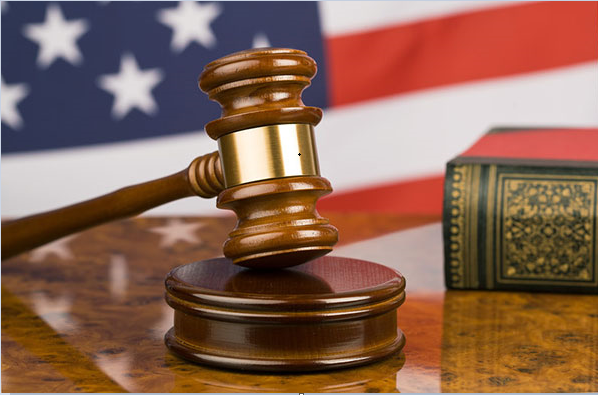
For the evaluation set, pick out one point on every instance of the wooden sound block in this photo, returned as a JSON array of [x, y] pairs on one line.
[[328, 313]]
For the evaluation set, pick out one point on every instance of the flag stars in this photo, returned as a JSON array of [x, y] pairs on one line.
[[59, 248], [176, 230], [260, 40], [190, 22], [131, 87], [56, 37], [12, 95]]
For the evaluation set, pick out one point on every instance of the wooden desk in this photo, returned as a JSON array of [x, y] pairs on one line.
[[88, 314]]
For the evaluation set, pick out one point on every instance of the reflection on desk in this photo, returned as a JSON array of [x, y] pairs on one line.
[[89, 315], [519, 342]]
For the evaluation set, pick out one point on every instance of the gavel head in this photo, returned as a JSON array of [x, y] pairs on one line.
[[268, 157]]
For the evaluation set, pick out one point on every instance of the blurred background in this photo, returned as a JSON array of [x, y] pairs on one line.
[[96, 96]]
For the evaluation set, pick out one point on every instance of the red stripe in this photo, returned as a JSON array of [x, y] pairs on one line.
[[422, 196], [470, 46], [559, 144]]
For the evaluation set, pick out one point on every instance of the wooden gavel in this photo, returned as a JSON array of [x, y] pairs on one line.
[[266, 169]]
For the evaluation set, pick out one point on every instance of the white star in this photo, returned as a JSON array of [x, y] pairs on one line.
[[131, 87], [56, 37], [177, 230], [59, 248], [260, 40], [4, 5], [190, 21], [10, 96]]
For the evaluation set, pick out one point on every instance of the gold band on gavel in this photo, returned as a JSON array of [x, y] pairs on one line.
[[268, 152]]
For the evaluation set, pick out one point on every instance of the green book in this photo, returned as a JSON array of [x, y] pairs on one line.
[[520, 212]]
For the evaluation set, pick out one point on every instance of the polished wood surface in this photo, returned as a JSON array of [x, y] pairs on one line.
[[89, 314], [203, 178], [325, 314]]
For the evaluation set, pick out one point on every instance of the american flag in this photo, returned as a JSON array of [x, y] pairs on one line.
[[99, 95]]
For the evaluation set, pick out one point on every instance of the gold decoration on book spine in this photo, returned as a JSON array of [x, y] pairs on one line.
[[464, 196], [490, 219], [548, 229]]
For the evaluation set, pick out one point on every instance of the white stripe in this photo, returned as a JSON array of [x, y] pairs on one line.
[[33, 182], [396, 138], [343, 17], [414, 135]]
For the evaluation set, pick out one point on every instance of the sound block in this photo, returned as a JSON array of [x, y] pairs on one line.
[[328, 313]]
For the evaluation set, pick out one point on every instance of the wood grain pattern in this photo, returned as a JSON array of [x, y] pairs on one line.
[[519, 342], [48, 379], [17, 322], [465, 341]]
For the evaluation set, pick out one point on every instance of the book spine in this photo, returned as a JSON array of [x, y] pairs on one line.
[[514, 227]]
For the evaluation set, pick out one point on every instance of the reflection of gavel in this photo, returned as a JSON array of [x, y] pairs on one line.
[[266, 170]]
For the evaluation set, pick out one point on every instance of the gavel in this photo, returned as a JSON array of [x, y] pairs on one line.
[[330, 312], [265, 170]]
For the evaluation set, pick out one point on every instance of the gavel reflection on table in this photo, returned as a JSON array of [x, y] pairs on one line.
[[323, 313]]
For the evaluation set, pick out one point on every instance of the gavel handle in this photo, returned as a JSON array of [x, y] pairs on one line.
[[203, 177]]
